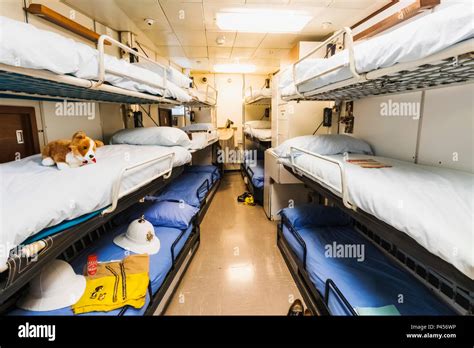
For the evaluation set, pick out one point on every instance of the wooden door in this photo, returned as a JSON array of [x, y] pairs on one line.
[[165, 117], [18, 133]]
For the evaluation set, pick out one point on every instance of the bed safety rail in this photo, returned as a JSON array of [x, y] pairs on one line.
[[301, 171], [116, 194], [298, 238], [103, 69], [261, 99], [175, 243], [331, 287], [210, 97], [346, 34], [204, 187]]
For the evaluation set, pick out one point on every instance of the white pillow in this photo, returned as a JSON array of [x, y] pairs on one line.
[[327, 144], [260, 124], [164, 136]]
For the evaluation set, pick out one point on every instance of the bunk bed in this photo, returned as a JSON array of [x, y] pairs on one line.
[[262, 96], [69, 70], [412, 225], [404, 59], [407, 228], [113, 184], [253, 173], [202, 98], [259, 132], [362, 281], [123, 175]]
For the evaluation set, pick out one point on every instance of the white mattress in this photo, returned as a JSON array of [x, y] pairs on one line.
[[23, 45], [258, 94], [432, 205], [260, 134], [34, 197], [407, 43]]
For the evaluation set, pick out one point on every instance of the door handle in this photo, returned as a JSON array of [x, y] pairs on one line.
[[19, 137]]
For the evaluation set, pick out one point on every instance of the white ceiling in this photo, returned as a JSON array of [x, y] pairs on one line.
[[191, 41]]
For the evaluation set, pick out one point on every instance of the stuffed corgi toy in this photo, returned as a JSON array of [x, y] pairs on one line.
[[78, 151]]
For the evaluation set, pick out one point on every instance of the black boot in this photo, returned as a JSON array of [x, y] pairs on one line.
[[296, 309]]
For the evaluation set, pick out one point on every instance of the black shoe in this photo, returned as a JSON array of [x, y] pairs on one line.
[[242, 197], [296, 309]]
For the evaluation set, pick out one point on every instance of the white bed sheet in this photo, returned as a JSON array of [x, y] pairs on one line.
[[409, 42], [260, 134], [34, 197], [432, 205], [23, 45]]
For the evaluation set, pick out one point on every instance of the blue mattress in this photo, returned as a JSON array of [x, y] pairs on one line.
[[216, 175], [257, 173], [374, 282], [188, 187], [61, 227], [106, 250]]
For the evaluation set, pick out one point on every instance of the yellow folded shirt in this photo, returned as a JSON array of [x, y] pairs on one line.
[[115, 285]]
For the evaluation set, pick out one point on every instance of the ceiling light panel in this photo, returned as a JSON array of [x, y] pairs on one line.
[[262, 21]]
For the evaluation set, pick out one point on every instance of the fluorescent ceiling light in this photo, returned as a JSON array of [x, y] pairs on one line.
[[235, 68], [262, 21]]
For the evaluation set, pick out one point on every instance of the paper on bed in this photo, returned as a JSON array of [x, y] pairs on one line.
[[34, 197], [432, 205]]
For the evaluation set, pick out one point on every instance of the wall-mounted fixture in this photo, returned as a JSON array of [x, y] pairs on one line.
[[64, 22], [149, 21], [220, 40]]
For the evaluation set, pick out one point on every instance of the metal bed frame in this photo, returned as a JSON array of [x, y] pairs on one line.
[[18, 82], [453, 65], [209, 101], [451, 284]]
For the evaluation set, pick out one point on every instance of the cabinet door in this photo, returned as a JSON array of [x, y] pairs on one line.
[[18, 133]]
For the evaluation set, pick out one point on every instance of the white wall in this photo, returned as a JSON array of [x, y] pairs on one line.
[[63, 127], [447, 131], [444, 132], [389, 136]]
